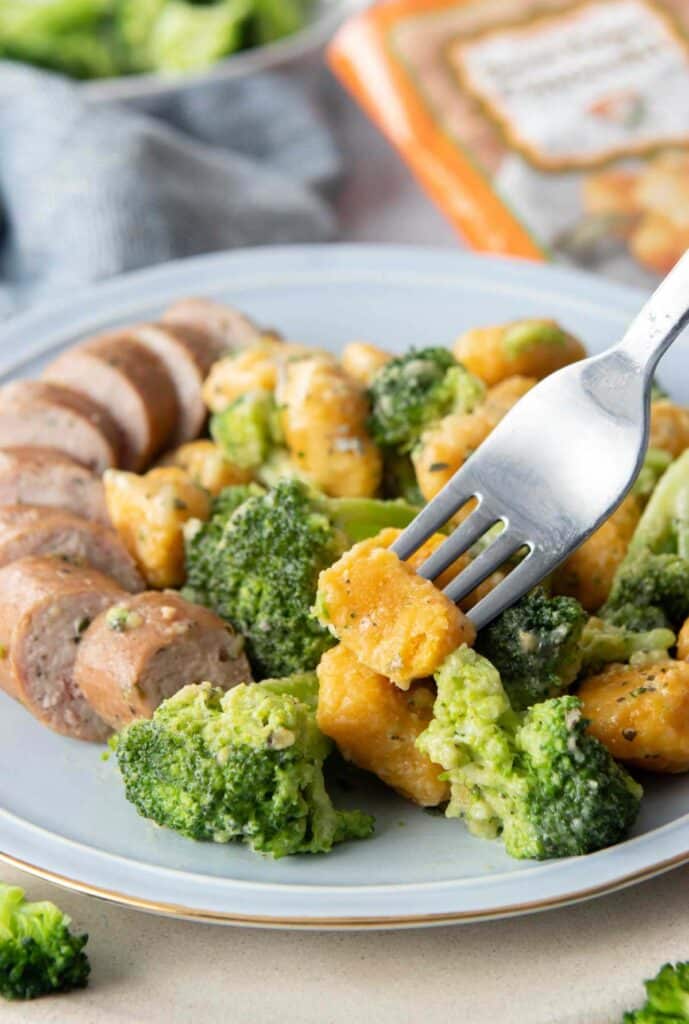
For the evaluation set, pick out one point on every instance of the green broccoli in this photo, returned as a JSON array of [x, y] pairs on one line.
[[535, 647], [38, 952], [537, 778], [667, 998], [654, 465], [244, 764], [399, 478], [274, 19], [257, 564], [414, 390], [248, 430], [651, 586], [186, 36], [602, 642]]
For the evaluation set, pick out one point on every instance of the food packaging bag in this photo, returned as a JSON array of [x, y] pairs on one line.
[[546, 129]]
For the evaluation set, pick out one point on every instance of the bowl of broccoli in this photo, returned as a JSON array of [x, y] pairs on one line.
[[128, 48]]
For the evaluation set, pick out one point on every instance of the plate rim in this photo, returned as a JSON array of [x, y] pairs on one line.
[[349, 263]]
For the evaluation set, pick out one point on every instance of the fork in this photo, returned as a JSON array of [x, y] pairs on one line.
[[557, 465]]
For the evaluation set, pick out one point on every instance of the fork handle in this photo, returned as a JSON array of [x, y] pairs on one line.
[[662, 318]]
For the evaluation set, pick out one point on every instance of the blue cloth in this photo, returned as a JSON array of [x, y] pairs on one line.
[[89, 190]]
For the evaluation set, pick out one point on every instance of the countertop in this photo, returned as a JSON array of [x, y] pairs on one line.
[[580, 965]]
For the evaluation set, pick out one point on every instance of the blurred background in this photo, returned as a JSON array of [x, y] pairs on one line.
[[133, 132]]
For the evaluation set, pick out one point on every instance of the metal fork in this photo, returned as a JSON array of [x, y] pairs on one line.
[[557, 465]]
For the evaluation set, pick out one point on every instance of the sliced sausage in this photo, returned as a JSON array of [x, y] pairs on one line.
[[132, 383], [31, 530], [229, 329], [48, 477], [146, 648], [187, 355], [46, 606], [39, 414]]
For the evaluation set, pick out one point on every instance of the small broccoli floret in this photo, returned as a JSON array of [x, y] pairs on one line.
[[654, 576], [535, 647], [256, 563], [38, 952], [414, 390], [244, 764], [536, 778], [603, 642], [247, 431], [667, 998]]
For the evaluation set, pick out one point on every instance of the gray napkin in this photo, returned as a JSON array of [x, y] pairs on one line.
[[89, 191]]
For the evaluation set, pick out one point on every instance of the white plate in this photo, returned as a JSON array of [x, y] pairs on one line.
[[326, 17], [62, 810]]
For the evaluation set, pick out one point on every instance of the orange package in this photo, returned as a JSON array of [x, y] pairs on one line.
[[542, 128]]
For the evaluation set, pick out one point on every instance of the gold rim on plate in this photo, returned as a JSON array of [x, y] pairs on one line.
[[180, 912]]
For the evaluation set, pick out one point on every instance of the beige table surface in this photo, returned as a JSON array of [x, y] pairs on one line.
[[581, 965]]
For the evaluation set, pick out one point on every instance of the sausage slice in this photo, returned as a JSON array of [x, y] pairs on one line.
[[226, 326], [31, 530], [187, 355], [132, 383], [39, 414], [146, 648], [48, 477], [46, 606]]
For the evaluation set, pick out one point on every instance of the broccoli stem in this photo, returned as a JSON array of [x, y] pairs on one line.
[[666, 517], [361, 518]]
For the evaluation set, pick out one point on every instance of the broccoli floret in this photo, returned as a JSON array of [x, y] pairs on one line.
[[186, 36], [248, 430], [603, 642], [537, 778], [38, 952], [257, 564], [244, 764], [654, 575], [535, 647], [275, 19], [414, 390], [667, 998], [399, 478]]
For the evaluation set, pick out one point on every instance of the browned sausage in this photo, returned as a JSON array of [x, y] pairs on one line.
[[33, 530], [48, 477], [132, 383], [45, 607], [187, 355], [38, 414], [148, 647], [229, 328]]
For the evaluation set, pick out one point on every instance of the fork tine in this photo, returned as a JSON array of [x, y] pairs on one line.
[[478, 522], [487, 562], [454, 495], [523, 578]]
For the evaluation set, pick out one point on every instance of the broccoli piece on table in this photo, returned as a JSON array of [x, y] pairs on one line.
[[247, 431], [535, 647], [603, 642], [667, 998], [536, 778], [256, 563], [38, 952], [244, 764], [652, 583], [414, 390]]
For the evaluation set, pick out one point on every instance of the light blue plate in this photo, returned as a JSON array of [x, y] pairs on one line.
[[62, 811]]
